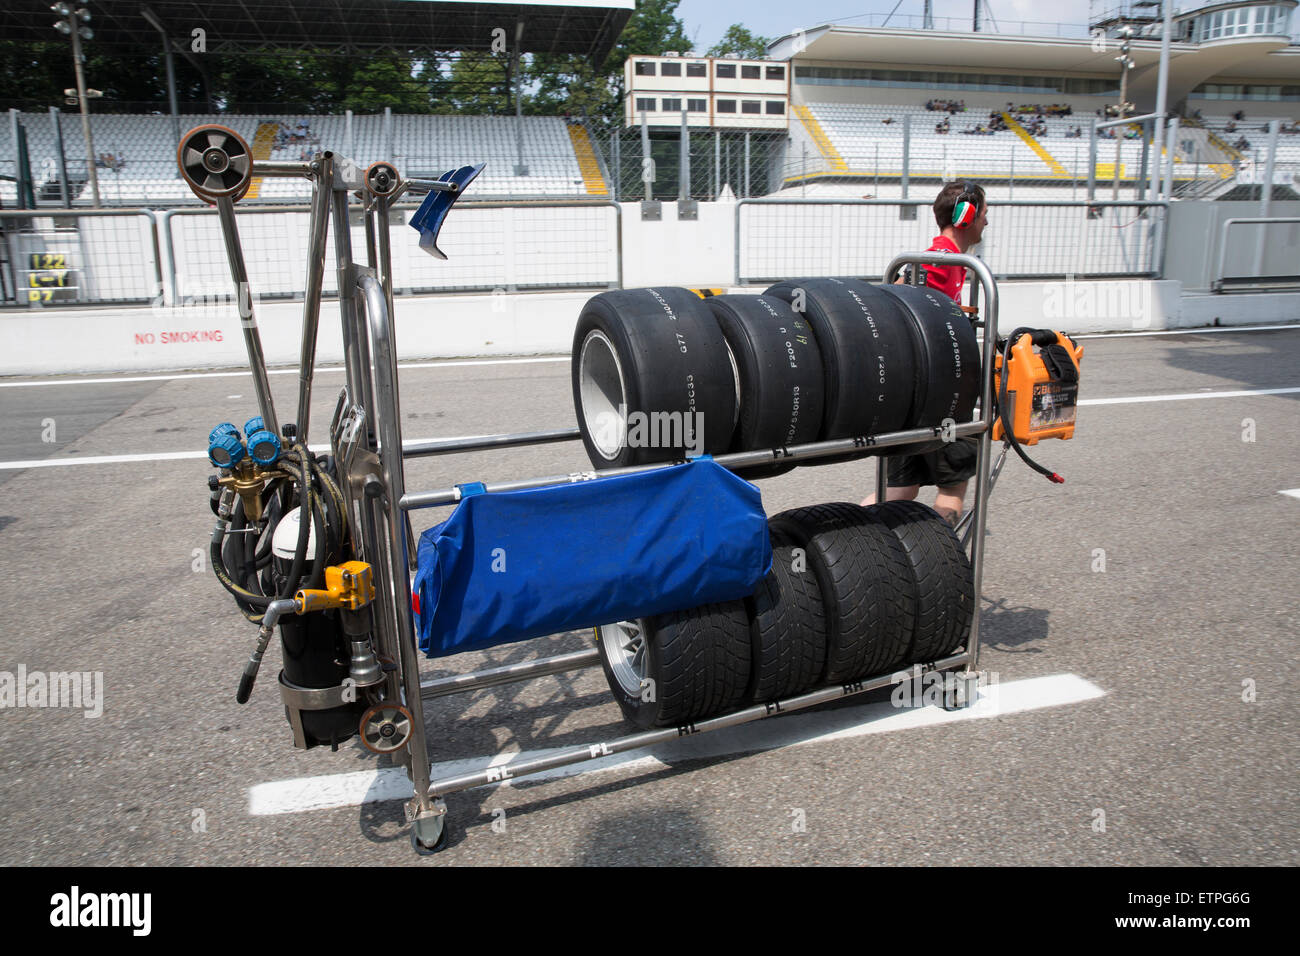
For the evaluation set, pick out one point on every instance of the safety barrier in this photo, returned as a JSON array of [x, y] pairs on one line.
[[1267, 261], [779, 238], [546, 244]]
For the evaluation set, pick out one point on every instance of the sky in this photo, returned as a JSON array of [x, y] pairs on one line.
[[706, 20]]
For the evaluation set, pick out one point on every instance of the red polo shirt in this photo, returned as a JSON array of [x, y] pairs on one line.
[[945, 279]]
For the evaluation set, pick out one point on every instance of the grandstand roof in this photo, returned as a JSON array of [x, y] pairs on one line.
[[580, 27]]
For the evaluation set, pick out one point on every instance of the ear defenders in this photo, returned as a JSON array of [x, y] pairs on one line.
[[966, 208]]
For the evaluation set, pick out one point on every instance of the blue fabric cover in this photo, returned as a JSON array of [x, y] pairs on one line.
[[513, 565]]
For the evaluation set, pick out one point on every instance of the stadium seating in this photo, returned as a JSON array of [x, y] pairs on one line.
[[137, 153], [865, 142]]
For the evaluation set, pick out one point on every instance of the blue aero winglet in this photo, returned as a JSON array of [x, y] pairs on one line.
[[443, 192]]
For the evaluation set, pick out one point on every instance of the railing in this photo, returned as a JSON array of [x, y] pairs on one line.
[[496, 246], [1269, 260], [780, 238]]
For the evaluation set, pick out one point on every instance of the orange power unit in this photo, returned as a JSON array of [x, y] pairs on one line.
[[1042, 386]]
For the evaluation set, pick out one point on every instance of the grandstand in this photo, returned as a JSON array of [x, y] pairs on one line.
[[858, 92], [136, 168]]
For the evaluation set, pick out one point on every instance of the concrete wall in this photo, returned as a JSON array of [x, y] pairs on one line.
[[669, 251]]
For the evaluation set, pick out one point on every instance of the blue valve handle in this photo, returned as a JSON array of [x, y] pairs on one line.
[[225, 450], [264, 446]]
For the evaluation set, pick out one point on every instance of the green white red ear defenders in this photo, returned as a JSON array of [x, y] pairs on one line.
[[963, 214]]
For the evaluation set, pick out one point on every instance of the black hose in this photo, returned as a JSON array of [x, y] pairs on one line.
[[290, 585]]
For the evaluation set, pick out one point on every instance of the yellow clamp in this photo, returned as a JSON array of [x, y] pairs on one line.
[[349, 585]]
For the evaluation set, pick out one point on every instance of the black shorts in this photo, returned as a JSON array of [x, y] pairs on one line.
[[950, 465]]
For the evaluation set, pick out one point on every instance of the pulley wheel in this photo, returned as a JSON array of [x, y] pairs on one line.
[[215, 161], [386, 727], [382, 179]]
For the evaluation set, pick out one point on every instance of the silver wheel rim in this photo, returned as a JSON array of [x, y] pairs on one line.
[[604, 394], [624, 647], [374, 735]]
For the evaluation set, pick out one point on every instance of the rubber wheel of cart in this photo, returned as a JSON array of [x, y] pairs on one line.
[[788, 626], [866, 586], [868, 356], [658, 353], [697, 662], [780, 370], [944, 595], [948, 371]]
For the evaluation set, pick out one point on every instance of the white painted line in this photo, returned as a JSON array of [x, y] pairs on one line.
[[352, 789], [1293, 492], [1185, 396], [1200, 331], [159, 456], [99, 460], [178, 455], [450, 363]]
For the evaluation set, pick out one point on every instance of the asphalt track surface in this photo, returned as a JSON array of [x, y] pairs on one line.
[[1185, 745]]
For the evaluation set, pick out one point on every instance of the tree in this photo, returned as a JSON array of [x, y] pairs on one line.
[[572, 84], [740, 42]]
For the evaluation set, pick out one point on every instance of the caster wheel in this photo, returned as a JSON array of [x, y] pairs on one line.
[[382, 179], [386, 727], [215, 161], [418, 839]]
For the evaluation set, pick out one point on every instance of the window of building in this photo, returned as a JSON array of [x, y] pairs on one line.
[[697, 106], [670, 69], [646, 103], [775, 108], [725, 71], [696, 69], [645, 68], [751, 106], [775, 73], [671, 105], [751, 72], [726, 106]]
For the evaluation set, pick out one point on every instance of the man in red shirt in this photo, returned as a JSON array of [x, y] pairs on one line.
[[961, 214]]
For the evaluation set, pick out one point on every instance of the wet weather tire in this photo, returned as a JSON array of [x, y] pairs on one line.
[[866, 587], [788, 627], [696, 662], [944, 594]]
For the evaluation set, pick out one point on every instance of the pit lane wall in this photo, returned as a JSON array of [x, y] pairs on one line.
[[696, 253]]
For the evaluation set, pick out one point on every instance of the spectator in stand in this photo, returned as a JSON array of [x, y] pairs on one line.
[[1239, 115]]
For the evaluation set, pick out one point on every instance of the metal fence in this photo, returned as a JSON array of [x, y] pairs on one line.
[[508, 246], [90, 256], [778, 238]]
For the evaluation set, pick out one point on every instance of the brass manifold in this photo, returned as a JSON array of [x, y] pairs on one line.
[[248, 480]]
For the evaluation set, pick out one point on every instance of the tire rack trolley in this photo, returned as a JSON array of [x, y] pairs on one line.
[[366, 442]]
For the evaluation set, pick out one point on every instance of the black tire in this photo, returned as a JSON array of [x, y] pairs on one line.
[[868, 354], [788, 626], [945, 582], [698, 660], [779, 367], [948, 367], [658, 352], [866, 587]]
